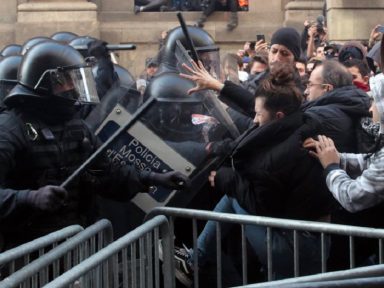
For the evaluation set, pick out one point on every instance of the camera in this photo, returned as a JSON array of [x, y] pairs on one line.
[[320, 24]]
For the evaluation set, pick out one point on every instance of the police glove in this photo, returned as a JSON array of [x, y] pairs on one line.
[[172, 180], [48, 198]]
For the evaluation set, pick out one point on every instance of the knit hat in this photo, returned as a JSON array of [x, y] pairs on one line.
[[288, 37]]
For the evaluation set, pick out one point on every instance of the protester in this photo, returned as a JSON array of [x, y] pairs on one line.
[[270, 175]]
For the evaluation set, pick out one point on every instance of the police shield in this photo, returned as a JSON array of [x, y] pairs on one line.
[[171, 135]]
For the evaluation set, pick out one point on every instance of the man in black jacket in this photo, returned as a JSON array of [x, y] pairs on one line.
[[336, 103]]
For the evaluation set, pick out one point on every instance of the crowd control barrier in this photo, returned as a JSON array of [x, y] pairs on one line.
[[133, 258], [20, 256], [297, 226], [61, 258]]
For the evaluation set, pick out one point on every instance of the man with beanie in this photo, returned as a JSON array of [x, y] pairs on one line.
[[285, 48]]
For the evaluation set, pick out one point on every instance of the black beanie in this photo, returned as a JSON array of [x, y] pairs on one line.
[[290, 38]]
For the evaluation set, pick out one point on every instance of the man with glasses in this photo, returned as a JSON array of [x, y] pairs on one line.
[[336, 103]]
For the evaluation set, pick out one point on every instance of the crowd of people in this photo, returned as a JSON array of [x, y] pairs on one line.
[[307, 104], [309, 114]]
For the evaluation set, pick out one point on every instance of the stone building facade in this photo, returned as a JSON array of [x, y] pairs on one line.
[[115, 22]]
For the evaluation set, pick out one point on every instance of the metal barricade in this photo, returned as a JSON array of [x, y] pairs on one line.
[[23, 254], [134, 259], [63, 257], [369, 276], [296, 226]]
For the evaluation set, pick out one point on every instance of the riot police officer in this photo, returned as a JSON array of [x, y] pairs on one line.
[[41, 144]]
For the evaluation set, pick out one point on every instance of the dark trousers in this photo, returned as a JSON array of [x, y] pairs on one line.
[[209, 6]]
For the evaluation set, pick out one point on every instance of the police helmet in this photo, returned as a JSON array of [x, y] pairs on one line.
[[63, 36], [32, 42], [53, 71], [199, 37], [171, 117], [12, 49], [82, 41], [125, 77], [9, 68]]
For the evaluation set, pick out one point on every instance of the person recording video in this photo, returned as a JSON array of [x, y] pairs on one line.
[[314, 34]]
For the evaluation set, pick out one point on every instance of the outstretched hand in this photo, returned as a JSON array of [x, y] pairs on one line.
[[324, 149], [201, 77]]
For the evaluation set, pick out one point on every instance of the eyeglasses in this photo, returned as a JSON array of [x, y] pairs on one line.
[[309, 84]]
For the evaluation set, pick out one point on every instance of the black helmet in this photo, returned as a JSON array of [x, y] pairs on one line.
[[51, 70], [12, 49], [9, 68], [168, 61], [82, 41], [125, 77], [32, 42], [171, 88], [63, 37], [171, 117]]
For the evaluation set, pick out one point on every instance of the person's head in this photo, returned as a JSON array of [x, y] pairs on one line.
[[257, 65], [63, 37], [9, 67], [54, 75], [277, 96], [326, 77], [331, 51], [352, 50], [313, 63], [151, 67], [320, 52], [301, 66], [359, 70], [285, 47]]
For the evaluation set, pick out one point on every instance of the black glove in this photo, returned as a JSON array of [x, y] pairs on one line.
[[47, 198], [98, 49], [172, 180], [219, 148]]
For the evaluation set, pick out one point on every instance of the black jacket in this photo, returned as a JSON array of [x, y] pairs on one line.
[[338, 111], [47, 154], [272, 175]]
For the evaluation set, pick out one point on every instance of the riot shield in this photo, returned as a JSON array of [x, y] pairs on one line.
[[171, 135]]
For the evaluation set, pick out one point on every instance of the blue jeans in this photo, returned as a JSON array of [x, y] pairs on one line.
[[282, 244]]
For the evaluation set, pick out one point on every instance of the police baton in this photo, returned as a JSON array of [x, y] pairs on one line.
[[105, 145], [191, 46], [110, 47]]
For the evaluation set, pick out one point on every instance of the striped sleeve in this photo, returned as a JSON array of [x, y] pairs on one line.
[[365, 191]]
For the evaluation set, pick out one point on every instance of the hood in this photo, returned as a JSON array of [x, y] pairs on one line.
[[377, 90], [349, 99]]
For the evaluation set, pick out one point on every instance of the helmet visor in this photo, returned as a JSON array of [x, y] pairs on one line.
[[72, 83], [209, 56]]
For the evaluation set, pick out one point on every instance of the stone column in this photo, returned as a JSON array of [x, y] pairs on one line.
[[297, 11], [45, 17], [7, 20], [353, 19]]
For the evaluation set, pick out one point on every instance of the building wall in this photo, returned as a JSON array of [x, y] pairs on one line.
[[115, 22]]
